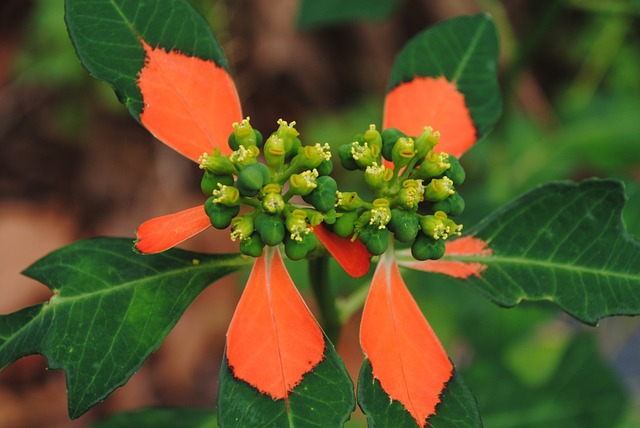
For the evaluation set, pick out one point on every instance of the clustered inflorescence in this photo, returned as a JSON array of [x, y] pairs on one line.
[[413, 187]]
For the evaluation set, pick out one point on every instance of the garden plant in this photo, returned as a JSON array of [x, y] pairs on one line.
[[283, 198]]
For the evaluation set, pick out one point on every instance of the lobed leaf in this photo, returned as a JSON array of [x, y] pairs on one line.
[[565, 243], [110, 310]]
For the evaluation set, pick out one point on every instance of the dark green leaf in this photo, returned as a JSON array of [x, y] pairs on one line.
[[106, 35], [325, 12], [465, 51], [457, 407], [582, 392], [324, 398], [161, 418], [565, 243], [111, 308]]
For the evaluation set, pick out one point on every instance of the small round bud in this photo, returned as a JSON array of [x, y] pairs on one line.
[[325, 167], [271, 228], [404, 225], [252, 246], [453, 205], [377, 241], [210, 182], [344, 225], [456, 171], [220, 215], [425, 248], [323, 197], [252, 178]]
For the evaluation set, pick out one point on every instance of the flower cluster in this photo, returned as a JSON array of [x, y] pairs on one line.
[[414, 192], [240, 178]]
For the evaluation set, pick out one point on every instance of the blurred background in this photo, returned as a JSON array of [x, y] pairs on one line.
[[74, 165]]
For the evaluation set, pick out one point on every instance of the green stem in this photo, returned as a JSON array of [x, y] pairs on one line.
[[329, 316]]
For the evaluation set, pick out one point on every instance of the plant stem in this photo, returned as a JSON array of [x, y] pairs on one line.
[[319, 278]]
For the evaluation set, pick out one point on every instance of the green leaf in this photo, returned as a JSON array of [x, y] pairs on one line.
[[324, 398], [465, 51], [111, 308], [315, 13], [106, 35], [159, 418], [457, 407], [582, 392], [565, 243]]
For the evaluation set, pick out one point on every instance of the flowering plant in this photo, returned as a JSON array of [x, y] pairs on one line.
[[276, 194]]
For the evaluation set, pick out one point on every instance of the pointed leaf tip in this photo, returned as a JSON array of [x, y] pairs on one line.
[[161, 233], [190, 103], [273, 340], [434, 102], [352, 256], [405, 354]]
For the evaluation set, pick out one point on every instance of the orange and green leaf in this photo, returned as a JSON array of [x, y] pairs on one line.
[[273, 340], [190, 104], [404, 352], [161, 233], [446, 78], [426, 101]]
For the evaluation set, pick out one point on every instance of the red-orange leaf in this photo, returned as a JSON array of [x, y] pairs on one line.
[[190, 104], [405, 354], [161, 233], [273, 339], [426, 101], [351, 255], [465, 246]]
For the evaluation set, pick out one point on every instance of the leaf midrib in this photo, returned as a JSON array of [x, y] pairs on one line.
[[548, 264]]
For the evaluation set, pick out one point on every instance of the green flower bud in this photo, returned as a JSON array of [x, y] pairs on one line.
[[210, 182], [425, 248], [274, 152], [453, 205], [411, 194], [216, 163], [244, 135], [329, 217], [323, 197], [252, 178], [456, 171], [270, 227], [296, 224], [404, 225], [377, 241], [344, 225], [403, 152], [364, 155], [220, 215], [389, 138], [310, 157], [426, 141], [434, 165], [252, 246], [244, 156], [347, 161], [289, 135], [377, 177], [439, 189], [433, 226], [373, 137], [242, 227], [226, 195], [272, 201], [325, 167], [303, 183], [348, 201], [380, 213]]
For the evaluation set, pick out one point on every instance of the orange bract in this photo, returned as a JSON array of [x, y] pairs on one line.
[[351, 255], [190, 104], [434, 102], [273, 339], [466, 246], [161, 233], [405, 354]]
